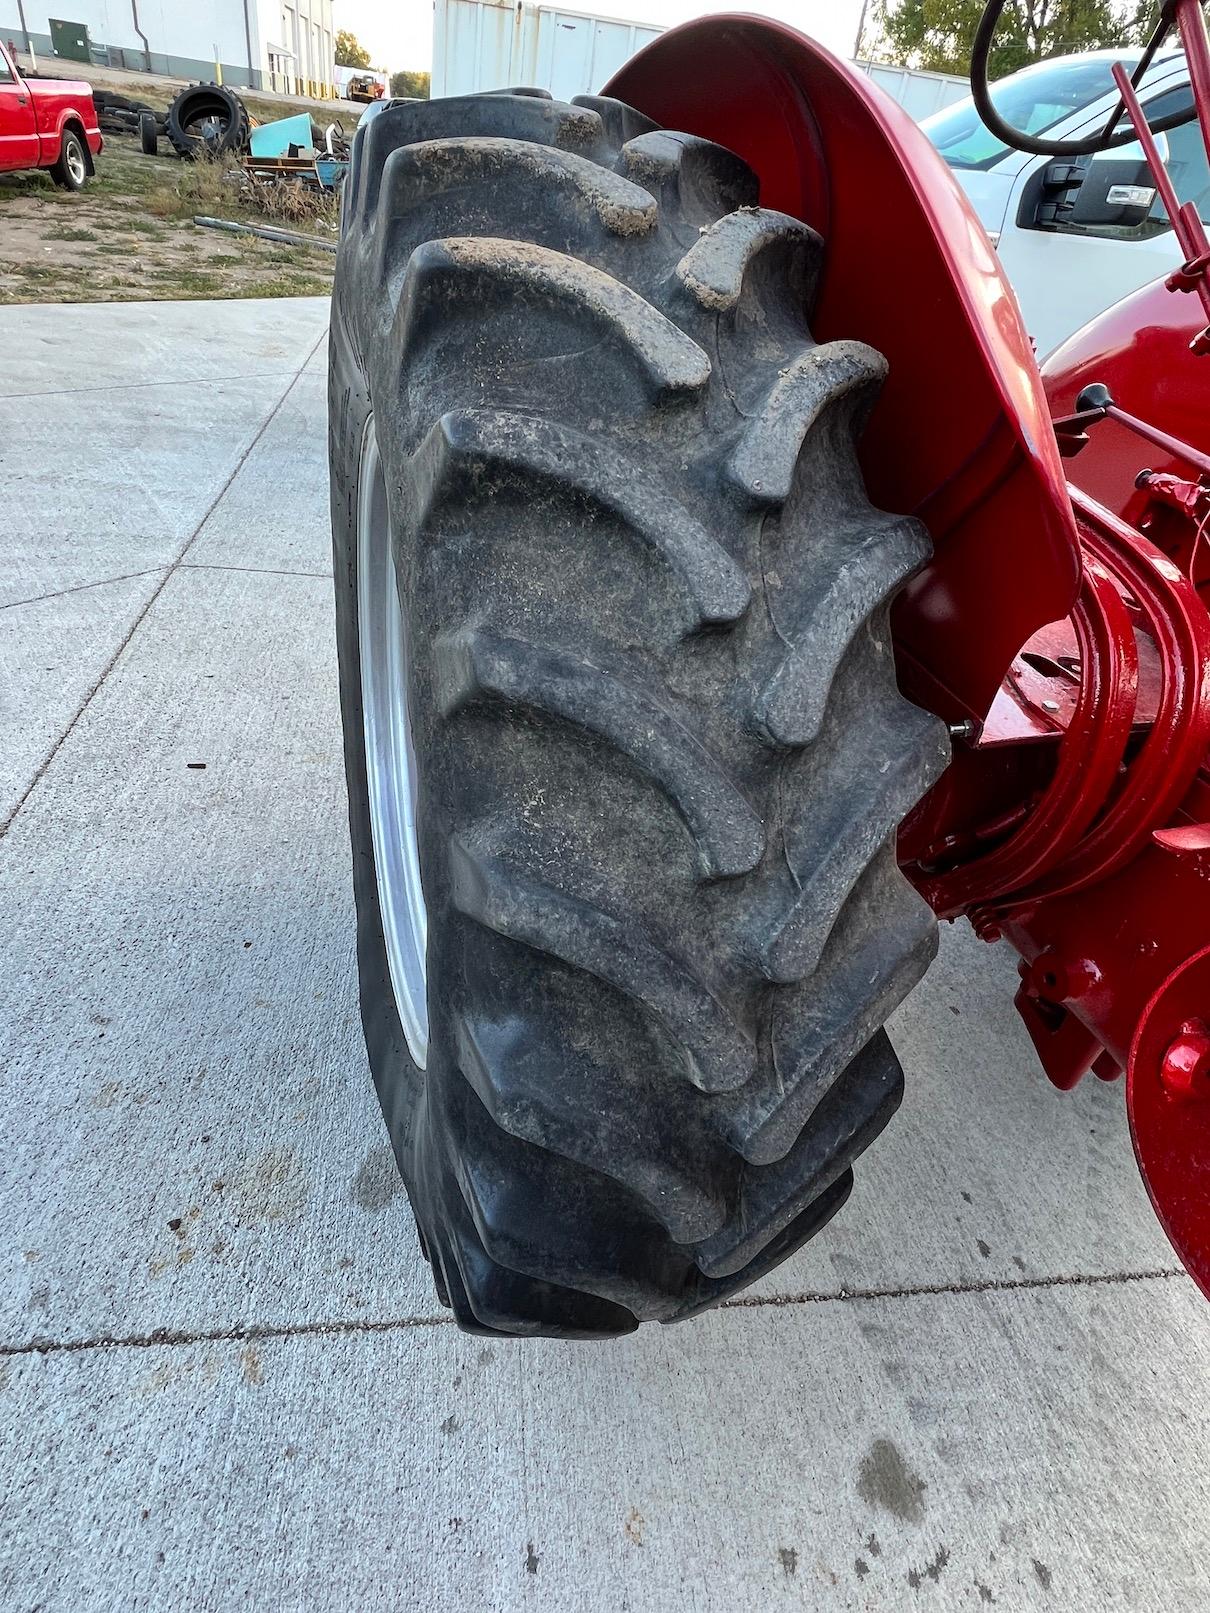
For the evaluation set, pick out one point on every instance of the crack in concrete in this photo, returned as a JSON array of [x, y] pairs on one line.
[[251, 1332], [80, 587], [139, 386], [162, 1337], [170, 572], [993, 1285], [256, 571]]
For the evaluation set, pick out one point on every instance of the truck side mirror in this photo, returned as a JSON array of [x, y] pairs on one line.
[[1118, 191], [1112, 190]]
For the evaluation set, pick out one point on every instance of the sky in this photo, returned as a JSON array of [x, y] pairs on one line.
[[399, 33]]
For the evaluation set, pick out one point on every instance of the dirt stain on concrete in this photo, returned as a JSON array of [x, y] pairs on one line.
[[181, 1227], [531, 1558], [634, 1526], [788, 1557], [931, 1570], [885, 1480], [377, 1181], [1044, 1575], [250, 1363], [271, 1187], [205, 1371]]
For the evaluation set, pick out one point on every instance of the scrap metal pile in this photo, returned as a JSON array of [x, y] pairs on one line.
[[211, 119]]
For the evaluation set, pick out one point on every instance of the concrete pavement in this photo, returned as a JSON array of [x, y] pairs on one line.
[[224, 1378]]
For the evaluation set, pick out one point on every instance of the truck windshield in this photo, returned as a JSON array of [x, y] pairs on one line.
[[1034, 99]]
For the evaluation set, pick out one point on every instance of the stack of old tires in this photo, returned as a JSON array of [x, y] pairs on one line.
[[118, 114], [201, 118]]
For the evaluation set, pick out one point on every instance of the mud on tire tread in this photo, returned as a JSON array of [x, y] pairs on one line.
[[661, 748]]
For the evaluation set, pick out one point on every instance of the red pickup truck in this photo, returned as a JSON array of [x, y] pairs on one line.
[[47, 123]]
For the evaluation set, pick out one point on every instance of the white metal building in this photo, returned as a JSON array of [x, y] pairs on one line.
[[261, 44]]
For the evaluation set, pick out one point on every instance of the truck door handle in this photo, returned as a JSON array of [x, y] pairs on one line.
[[22, 99]]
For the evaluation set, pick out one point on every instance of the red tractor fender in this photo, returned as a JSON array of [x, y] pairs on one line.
[[961, 435]]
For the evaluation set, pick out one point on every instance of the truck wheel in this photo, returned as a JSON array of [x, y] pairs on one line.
[[624, 744], [71, 170]]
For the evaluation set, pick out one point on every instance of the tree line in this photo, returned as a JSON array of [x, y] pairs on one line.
[[937, 34]]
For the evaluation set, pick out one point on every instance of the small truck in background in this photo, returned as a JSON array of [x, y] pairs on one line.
[[363, 87], [47, 123]]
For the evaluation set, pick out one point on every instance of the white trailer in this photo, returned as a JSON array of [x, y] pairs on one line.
[[918, 92], [481, 45], [486, 45]]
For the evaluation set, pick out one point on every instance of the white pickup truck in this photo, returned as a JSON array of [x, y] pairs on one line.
[[1074, 236]]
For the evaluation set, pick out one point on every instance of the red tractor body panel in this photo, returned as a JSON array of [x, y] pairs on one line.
[[1140, 350], [1144, 932], [961, 435]]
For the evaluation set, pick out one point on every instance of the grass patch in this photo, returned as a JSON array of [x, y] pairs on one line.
[[33, 183], [137, 225], [123, 170], [220, 187], [136, 240], [282, 287]]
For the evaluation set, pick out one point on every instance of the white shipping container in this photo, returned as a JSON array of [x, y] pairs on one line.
[[919, 93], [483, 45], [479, 45]]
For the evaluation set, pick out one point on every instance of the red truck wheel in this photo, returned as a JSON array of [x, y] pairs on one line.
[[71, 170], [624, 745]]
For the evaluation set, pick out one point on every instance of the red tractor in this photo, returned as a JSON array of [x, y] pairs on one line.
[[724, 596]]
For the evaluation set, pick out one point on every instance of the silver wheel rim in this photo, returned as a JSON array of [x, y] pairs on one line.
[[75, 163], [390, 755]]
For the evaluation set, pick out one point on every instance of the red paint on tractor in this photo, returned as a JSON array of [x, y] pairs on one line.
[[1168, 1099], [1139, 350], [1065, 622]]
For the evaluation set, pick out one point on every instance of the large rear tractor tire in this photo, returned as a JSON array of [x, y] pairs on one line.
[[626, 754]]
